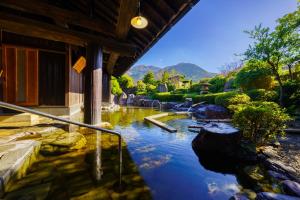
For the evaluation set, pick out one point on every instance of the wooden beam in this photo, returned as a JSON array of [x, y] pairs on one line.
[[185, 7], [127, 10], [166, 7], [154, 13], [59, 14], [37, 29]]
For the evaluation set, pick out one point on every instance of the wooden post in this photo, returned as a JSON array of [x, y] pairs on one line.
[[93, 85], [106, 82]]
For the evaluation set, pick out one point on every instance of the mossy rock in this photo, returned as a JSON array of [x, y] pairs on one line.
[[62, 142], [254, 173]]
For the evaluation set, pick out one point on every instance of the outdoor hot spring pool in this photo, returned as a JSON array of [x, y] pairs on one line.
[[167, 161], [157, 165]]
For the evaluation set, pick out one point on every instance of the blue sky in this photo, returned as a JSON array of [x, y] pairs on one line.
[[212, 32]]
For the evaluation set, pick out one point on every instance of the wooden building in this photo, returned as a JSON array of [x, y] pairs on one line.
[[41, 40]]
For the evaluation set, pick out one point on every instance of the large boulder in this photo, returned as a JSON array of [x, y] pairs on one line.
[[211, 111], [291, 187], [162, 87], [130, 99], [123, 99], [138, 100], [218, 138]]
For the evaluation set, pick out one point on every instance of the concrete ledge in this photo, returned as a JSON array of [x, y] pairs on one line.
[[59, 110], [160, 124], [14, 118], [15, 158]]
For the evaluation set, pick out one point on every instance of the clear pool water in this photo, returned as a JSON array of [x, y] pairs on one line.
[[167, 161], [159, 161]]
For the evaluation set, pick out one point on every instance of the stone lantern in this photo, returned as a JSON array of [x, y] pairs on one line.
[[204, 88]]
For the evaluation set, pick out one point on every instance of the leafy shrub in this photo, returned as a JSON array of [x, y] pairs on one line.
[[217, 84], [254, 75], [262, 95], [239, 99], [171, 87], [141, 93], [190, 95], [260, 121], [168, 97], [196, 88], [151, 89], [140, 86], [181, 91], [235, 101], [208, 98], [223, 98], [290, 88]]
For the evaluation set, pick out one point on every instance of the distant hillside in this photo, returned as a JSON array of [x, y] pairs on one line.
[[189, 70], [137, 72]]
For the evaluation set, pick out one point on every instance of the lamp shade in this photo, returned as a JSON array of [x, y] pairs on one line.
[[139, 22]]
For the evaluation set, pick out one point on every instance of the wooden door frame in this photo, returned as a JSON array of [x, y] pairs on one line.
[[4, 60]]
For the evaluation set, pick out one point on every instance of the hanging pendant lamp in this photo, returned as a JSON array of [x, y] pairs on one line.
[[139, 21]]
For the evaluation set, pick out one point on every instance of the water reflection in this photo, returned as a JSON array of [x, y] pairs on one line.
[[167, 161], [97, 167]]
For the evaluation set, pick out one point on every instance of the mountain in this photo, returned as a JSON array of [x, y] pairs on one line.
[[189, 70], [137, 72]]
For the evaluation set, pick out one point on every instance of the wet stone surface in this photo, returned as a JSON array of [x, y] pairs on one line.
[[76, 165]]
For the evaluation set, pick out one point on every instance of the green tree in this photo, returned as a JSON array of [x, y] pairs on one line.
[[254, 75], [165, 77], [273, 47], [149, 78], [141, 86], [126, 82], [288, 28], [115, 87], [217, 84]]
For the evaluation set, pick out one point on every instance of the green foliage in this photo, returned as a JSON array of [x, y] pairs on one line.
[[115, 87], [196, 88], [223, 98], [168, 97], [288, 30], [260, 121], [239, 99], [165, 77], [217, 84], [141, 93], [149, 78], [262, 95], [171, 87], [254, 75], [141, 86], [126, 82], [235, 101], [181, 91], [208, 98], [291, 88], [150, 89], [278, 48]]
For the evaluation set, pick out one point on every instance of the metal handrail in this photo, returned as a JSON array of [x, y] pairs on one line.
[[35, 112]]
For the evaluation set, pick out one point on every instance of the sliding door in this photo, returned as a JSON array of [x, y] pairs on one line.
[[20, 75]]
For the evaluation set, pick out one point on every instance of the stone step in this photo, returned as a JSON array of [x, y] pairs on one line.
[[15, 158]]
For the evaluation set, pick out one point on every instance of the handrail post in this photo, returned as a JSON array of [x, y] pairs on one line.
[[120, 161]]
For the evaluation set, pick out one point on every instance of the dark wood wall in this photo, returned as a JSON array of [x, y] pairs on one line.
[[58, 83], [74, 80], [51, 78]]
